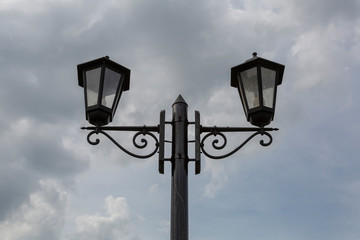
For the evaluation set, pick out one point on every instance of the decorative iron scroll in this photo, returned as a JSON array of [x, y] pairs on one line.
[[215, 143], [142, 145]]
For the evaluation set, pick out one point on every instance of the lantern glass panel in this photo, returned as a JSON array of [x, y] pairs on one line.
[[251, 89], [268, 77], [92, 86], [111, 84]]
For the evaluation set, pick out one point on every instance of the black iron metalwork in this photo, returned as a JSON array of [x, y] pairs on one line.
[[197, 143], [260, 75], [139, 131], [179, 157], [106, 80], [101, 114], [219, 132], [162, 142], [179, 226]]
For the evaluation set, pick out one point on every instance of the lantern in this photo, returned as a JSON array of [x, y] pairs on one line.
[[257, 80], [103, 81]]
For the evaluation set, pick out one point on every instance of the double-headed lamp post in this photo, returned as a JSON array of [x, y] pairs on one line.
[[104, 81]]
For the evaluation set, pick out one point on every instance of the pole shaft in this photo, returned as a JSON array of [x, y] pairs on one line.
[[179, 185]]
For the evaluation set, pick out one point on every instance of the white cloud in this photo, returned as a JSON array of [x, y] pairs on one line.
[[154, 188], [218, 177], [91, 19], [22, 6], [176, 47], [321, 49], [111, 227], [42, 217], [32, 151], [164, 227]]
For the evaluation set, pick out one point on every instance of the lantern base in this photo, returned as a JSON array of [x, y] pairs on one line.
[[260, 118], [98, 117]]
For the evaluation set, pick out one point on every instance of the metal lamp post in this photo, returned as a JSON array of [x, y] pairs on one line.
[[104, 80]]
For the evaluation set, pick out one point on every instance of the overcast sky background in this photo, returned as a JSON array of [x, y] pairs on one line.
[[54, 185]]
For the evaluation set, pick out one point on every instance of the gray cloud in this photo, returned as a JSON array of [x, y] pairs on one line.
[[41, 217], [307, 177], [113, 226]]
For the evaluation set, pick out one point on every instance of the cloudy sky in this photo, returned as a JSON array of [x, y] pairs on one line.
[[54, 185]]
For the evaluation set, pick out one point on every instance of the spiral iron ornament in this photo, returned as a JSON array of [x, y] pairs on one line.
[[215, 143], [138, 143]]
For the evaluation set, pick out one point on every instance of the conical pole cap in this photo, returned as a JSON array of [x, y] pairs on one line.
[[180, 99]]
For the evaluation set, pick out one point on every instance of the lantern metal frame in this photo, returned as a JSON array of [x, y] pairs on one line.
[[99, 114], [261, 115]]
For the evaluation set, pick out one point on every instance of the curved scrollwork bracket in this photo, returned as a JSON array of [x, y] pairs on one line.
[[218, 133], [215, 143], [140, 144]]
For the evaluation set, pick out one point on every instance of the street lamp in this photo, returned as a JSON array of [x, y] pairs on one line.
[[104, 81], [257, 81]]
